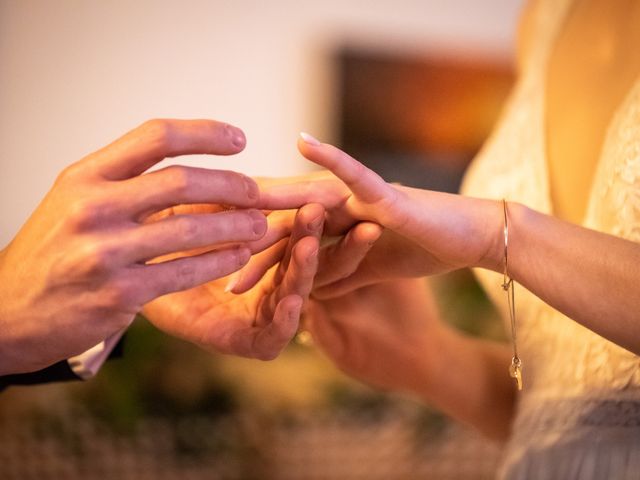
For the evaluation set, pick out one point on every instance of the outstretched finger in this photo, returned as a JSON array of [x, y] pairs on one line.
[[180, 233], [187, 272], [365, 184], [177, 185], [295, 192], [146, 145]]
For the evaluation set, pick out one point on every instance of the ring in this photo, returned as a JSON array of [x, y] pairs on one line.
[[304, 338]]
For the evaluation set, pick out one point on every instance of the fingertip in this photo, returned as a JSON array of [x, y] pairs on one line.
[[243, 254], [310, 148], [309, 139], [260, 224], [234, 279], [368, 232], [252, 189], [238, 138], [312, 216]]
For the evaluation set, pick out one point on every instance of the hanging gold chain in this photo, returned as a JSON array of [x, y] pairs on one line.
[[508, 285]]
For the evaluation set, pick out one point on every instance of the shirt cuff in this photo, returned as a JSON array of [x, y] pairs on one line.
[[87, 364]]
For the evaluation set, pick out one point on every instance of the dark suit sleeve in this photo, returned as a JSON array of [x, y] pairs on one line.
[[58, 372]]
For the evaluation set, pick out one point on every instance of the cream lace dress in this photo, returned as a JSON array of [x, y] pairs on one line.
[[578, 416]]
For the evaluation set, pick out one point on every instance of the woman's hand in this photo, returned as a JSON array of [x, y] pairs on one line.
[[390, 336], [426, 232], [260, 322], [386, 335], [76, 272]]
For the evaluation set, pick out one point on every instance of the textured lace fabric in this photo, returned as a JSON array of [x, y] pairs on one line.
[[579, 414]]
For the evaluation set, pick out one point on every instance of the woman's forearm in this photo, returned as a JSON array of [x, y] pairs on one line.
[[470, 382], [591, 277]]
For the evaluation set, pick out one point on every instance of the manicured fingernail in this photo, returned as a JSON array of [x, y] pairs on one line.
[[252, 188], [309, 139], [233, 281]]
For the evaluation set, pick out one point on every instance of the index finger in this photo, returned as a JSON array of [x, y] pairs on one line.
[[154, 140], [365, 184]]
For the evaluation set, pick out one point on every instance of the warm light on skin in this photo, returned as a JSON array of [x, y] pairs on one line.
[[586, 83]]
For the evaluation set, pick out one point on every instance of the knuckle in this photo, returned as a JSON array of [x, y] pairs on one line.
[[180, 179], [231, 181], [187, 227], [86, 213], [394, 215], [119, 295], [158, 133], [359, 169], [242, 184], [69, 174], [186, 275], [96, 257]]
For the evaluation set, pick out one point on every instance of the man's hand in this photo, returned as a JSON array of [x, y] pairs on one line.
[[77, 271], [260, 322]]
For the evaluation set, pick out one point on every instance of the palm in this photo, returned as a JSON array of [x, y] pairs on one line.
[[260, 322], [217, 320]]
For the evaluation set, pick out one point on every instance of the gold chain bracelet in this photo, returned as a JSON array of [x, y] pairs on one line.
[[508, 285]]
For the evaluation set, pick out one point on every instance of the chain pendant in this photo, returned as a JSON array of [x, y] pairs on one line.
[[515, 371]]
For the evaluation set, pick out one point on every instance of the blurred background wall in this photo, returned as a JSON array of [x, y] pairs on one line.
[[411, 87], [76, 74]]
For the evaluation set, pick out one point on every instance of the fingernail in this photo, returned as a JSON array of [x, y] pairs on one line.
[[238, 139], [252, 188], [243, 256], [233, 281], [259, 222], [309, 139]]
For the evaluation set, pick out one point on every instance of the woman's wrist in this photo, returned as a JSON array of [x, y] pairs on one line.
[[492, 215]]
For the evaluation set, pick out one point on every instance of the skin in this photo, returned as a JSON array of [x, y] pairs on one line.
[[592, 77], [262, 321], [391, 336], [446, 232], [81, 267], [359, 312]]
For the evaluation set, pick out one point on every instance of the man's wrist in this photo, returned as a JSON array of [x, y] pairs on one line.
[[87, 364]]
